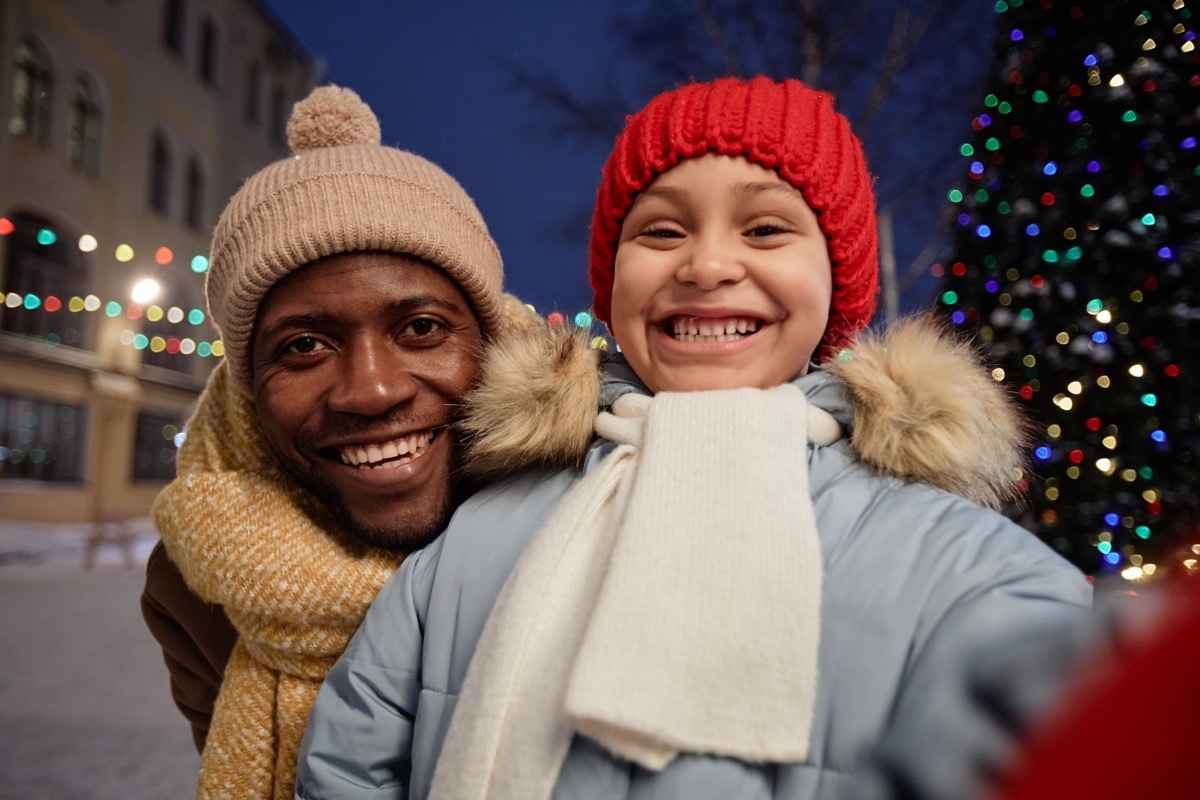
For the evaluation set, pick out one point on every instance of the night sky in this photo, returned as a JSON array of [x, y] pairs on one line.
[[433, 74]]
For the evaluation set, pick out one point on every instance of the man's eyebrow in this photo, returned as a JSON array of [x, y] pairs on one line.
[[316, 319], [293, 322], [420, 301]]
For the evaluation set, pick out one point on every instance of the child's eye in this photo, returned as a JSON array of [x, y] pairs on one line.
[[766, 230], [303, 344], [662, 232]]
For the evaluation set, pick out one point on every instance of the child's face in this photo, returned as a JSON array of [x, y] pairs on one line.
[[722, 279]]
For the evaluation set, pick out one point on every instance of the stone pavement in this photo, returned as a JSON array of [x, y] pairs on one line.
[[85, 710]]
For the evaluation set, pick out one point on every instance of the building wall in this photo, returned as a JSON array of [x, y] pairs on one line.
[[143, 89]]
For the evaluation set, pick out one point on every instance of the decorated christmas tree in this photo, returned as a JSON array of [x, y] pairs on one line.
[[1076, 263]]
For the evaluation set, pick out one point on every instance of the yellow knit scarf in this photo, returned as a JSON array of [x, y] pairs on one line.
[[247, 536]]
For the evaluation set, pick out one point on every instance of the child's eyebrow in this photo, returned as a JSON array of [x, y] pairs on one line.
[[655, 190], [760, 187], [745, 188]]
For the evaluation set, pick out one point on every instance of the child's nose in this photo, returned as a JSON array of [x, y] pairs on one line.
[[711, 263]]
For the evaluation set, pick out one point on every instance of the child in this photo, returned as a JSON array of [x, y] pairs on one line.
[[753, 572]]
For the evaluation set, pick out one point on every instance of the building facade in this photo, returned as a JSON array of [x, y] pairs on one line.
[[126, 126]]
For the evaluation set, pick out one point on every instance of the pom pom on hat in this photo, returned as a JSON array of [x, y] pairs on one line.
[[786, 127], [329, 117]]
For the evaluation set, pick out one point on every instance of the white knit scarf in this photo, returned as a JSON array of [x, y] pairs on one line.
[[670, 603]]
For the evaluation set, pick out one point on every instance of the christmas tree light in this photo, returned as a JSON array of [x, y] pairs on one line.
[[1076, 261]]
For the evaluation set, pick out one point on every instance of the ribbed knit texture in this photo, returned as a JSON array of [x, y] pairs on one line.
[[786, 127], [634, 618], [342, 192], [245, 535]]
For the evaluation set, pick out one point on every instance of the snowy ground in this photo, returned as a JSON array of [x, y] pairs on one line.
[[85, 711]]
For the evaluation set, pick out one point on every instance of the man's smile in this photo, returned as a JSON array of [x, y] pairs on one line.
[[387, 455]]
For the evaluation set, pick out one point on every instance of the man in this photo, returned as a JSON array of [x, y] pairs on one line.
[[355, 287]]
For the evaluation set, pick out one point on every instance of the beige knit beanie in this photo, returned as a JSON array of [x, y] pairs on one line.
[[342, 191]]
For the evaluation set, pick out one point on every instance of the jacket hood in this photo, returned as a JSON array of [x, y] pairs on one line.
[[916, 400]]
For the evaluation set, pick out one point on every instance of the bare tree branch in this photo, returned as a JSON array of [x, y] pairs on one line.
[[851, 24], [572, 115], [903, 81], [713, 28], [898, 52], [813, 46]]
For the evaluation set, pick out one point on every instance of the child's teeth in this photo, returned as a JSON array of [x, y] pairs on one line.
[[686, 329]]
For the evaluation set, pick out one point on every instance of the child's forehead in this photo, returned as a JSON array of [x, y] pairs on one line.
[[708, 162], [736, 175]]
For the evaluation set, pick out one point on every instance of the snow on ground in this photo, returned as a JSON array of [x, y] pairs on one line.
[[85, 710]]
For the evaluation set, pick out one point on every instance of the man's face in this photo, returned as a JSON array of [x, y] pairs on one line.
[[360, 361]]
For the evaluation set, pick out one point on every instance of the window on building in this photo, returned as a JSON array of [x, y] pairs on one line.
[[278, 117], [42, 262], [160, 173], [83, 130], [41, 439], [31, 89], [208, 52], [254, 87], [174, 22], [157, 436], [194, 211]]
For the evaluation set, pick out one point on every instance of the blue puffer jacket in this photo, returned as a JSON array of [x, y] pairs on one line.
[[916, 577]]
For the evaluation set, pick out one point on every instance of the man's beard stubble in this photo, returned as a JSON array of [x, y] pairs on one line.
[[398, 538]]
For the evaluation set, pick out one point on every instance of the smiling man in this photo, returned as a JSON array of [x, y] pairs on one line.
[[359, 362], [355, 287]]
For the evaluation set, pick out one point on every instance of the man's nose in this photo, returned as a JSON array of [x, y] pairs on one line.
[[711, 262], [374, 378]]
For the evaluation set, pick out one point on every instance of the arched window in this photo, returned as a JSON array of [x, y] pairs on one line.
[[194, 203], [207, 65], [160, 173], [31, 87], [42, 262], [174, 19], [83, 128]]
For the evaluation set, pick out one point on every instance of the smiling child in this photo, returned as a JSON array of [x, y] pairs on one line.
[[776, 545]]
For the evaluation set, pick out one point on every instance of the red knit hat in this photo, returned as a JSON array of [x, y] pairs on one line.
[[786, 127]]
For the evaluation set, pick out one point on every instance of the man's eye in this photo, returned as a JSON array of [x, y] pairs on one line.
[[422, 327], [304, 344]]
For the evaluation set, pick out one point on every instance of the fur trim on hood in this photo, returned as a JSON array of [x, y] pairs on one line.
[[925, 409], [534, 404]]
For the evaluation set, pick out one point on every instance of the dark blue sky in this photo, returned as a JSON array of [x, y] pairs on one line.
[[431, 72]]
